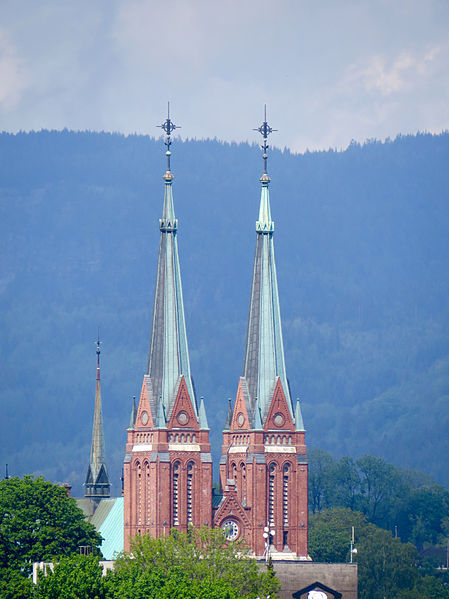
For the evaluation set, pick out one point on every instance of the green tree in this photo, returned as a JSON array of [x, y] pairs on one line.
[[74, 577], [386, 566], [200, 563], [37, 523], [330, 534], [347, 481], [321, 479], [381, 485]]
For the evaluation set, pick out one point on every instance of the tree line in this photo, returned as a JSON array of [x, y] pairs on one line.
[[400, 518]]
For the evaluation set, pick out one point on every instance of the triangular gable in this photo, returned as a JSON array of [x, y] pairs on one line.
[[144, 418], [183, 414], [317, 585], [102, 477], [279, 416], [240, 420], [230, 506]]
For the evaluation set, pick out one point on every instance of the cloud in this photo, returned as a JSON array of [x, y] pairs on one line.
[[13, 79], [387, 75]]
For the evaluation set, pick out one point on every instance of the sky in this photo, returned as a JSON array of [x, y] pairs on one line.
[[330, 71]]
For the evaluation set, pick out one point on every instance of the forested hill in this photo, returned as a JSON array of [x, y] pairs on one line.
[[362, 247]]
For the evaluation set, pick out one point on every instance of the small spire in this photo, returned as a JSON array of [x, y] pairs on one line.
[[299, 424], [132, 419], [265, 131], [6, 472], [168, 126], [202, 416], [228, 416]]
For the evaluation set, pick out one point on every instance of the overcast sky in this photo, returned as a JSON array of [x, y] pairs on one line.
[[329, 70]]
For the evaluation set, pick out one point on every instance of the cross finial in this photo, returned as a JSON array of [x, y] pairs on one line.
[[265, 131], [98, 342], [168, 126]]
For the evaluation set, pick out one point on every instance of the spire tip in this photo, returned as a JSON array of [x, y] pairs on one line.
[[265, 131]]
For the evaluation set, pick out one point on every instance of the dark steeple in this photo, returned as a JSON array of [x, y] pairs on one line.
[[97, 483]]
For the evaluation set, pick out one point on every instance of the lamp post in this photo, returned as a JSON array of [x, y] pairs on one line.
[[353, 549], [267, 535]]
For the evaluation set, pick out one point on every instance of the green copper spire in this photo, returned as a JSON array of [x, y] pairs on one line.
[[168, 356], [264, 355], [97, 480]]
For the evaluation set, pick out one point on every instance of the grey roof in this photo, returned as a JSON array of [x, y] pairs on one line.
[[168, 356], [264, 353]]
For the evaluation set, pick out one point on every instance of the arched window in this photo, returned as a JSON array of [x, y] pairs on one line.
[[147, 492], [285, 479], [243, 482], [271, 481], [190, 466], [175, 493], [139, 492]]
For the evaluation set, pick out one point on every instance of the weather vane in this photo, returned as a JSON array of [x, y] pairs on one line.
[[168, 126], [265, 131]]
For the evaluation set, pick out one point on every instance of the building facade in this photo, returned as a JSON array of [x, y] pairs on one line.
[[263, 467]]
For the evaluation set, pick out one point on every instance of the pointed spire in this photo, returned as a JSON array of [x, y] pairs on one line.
[[168, 356], [97, 482], [264, 354], [227, 425], [299, 424], [132, 419], [203, 418]]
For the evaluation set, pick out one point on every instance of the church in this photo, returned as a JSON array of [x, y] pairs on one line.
[[167, 470], [167, 473]]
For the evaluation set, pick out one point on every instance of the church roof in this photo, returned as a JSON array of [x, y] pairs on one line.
[[112, 529]]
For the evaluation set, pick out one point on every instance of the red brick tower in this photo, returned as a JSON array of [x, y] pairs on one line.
[[168, 464], [263, 468]]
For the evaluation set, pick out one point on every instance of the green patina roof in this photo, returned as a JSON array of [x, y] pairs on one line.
[[112, 529]]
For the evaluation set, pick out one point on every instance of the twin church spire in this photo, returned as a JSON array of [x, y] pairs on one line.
[[168, 463]]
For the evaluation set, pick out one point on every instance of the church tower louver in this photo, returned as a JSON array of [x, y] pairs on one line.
[[168, 464], [97, 484], [263, 468]]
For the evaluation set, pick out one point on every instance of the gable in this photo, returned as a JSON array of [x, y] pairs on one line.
[[315, 586], [240, 420], [144, 418], [183, 415], [279, 416], [230, 507]]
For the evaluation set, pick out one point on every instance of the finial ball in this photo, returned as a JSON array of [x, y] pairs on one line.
[[264, 156], [168, 153]]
